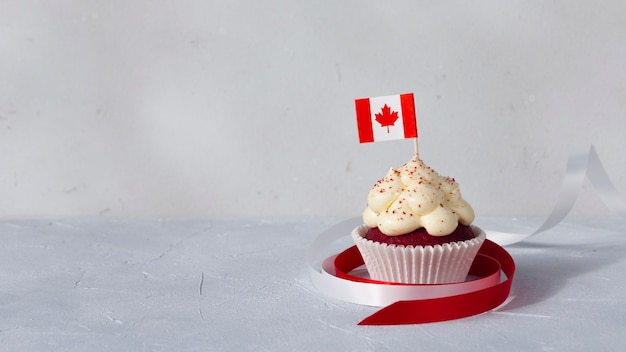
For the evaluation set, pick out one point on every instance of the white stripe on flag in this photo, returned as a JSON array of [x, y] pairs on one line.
[[386, 133]]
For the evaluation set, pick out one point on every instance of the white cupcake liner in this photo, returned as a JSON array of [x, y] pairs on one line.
[[432, 264]]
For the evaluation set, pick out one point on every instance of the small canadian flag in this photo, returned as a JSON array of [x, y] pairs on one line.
[[386, 118]]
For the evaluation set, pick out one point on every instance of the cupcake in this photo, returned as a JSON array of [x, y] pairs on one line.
[[417, 228]]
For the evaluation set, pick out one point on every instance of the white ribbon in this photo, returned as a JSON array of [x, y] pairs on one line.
[[580, 163]]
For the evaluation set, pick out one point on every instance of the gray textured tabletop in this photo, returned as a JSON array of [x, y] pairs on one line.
[[142, 285]]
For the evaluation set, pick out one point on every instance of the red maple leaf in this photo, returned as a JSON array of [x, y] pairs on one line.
[[387, 118]]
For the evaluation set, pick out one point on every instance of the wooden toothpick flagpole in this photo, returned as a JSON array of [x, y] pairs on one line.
[[416, 147]]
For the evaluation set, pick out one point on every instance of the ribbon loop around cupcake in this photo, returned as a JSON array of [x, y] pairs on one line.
[[419, 303]]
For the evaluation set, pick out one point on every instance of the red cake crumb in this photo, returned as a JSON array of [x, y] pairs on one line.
[[420, 237]]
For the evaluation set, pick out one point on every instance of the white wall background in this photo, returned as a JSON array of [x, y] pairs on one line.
[[229, 109]]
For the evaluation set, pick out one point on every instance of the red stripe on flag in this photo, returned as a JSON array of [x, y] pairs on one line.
[[408, 115], [364, 120]]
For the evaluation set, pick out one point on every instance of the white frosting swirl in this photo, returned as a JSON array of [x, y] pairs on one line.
[[416, 196]]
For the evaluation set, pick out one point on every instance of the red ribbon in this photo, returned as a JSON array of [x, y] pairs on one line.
[[491, 259]]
